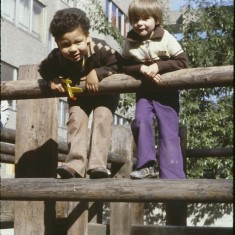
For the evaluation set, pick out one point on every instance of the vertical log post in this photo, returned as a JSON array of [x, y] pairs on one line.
[[176, 212], [35, 157], [120, 213], [137, 209]]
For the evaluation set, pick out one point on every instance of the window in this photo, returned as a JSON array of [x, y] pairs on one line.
[[9, 73], [116, 17], [63, 113], [8, 8], [37, 19], [25, 14]]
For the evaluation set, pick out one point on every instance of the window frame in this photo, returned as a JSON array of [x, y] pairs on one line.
[[29, 29], [120, 17], [63, 113]]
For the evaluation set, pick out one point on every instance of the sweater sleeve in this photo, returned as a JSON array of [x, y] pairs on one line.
[[105, 60], [174, 63], [49, 67], [130, 66], [177, 60]]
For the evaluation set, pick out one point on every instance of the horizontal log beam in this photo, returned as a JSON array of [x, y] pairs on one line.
[[5, 158], [209, 152], [179, 230], [8, 136], [7, 153], [118, 190], [191, 78], [7, 149]]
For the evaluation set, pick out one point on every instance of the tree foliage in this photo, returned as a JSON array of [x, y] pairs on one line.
[[99, 20], [208, 113]]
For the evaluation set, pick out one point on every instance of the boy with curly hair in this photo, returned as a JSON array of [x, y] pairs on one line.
[[80, 57]]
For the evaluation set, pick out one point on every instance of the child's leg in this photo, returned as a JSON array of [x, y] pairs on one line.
[[77, 139], [143, 133], [100, 137], [103, 110], [170, 155]]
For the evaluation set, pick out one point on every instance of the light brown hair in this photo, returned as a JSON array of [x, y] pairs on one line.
[[145, 8]]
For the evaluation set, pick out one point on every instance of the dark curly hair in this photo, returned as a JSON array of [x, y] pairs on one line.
[[67, 20]]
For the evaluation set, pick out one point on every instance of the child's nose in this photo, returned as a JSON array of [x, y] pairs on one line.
[[140, 22], [73, 48]]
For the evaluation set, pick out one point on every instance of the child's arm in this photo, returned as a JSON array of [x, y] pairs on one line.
[[49, 71], [175, 63], [56, 85], [92, 81], [161, 66]]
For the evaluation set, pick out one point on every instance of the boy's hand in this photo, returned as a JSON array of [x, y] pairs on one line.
[[92, 81], [151, 72], [56, 85], [157, 78]]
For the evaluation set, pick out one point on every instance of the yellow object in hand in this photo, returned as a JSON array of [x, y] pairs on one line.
[[70, 89]]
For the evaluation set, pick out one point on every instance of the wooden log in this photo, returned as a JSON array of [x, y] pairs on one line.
[[120, 213], [176, 212], [119, 190], [8, 155], [7, 221], [179, 230], [8, 149], [35, 157], [191, 78], [8, 135], [5, 158], [209, 152]]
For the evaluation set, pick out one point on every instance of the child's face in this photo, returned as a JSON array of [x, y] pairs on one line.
[[73, 45], [144, 26]]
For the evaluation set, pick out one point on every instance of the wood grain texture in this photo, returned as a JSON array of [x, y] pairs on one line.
[[191, 78], [35, 156], [119, 190], [179, 230]]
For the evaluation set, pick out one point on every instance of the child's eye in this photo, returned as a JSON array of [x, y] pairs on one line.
[[78, 42], [146, 18], [134, 20], [65, 45]]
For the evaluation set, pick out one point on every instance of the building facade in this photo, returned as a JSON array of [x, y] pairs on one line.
[[25, 39]]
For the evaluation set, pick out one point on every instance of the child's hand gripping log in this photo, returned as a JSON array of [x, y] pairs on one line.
[[72, 90]]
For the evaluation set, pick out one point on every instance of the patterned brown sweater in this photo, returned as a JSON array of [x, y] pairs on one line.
[[100, 57]]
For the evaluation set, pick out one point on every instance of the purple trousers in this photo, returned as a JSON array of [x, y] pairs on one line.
[[165, 108]]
